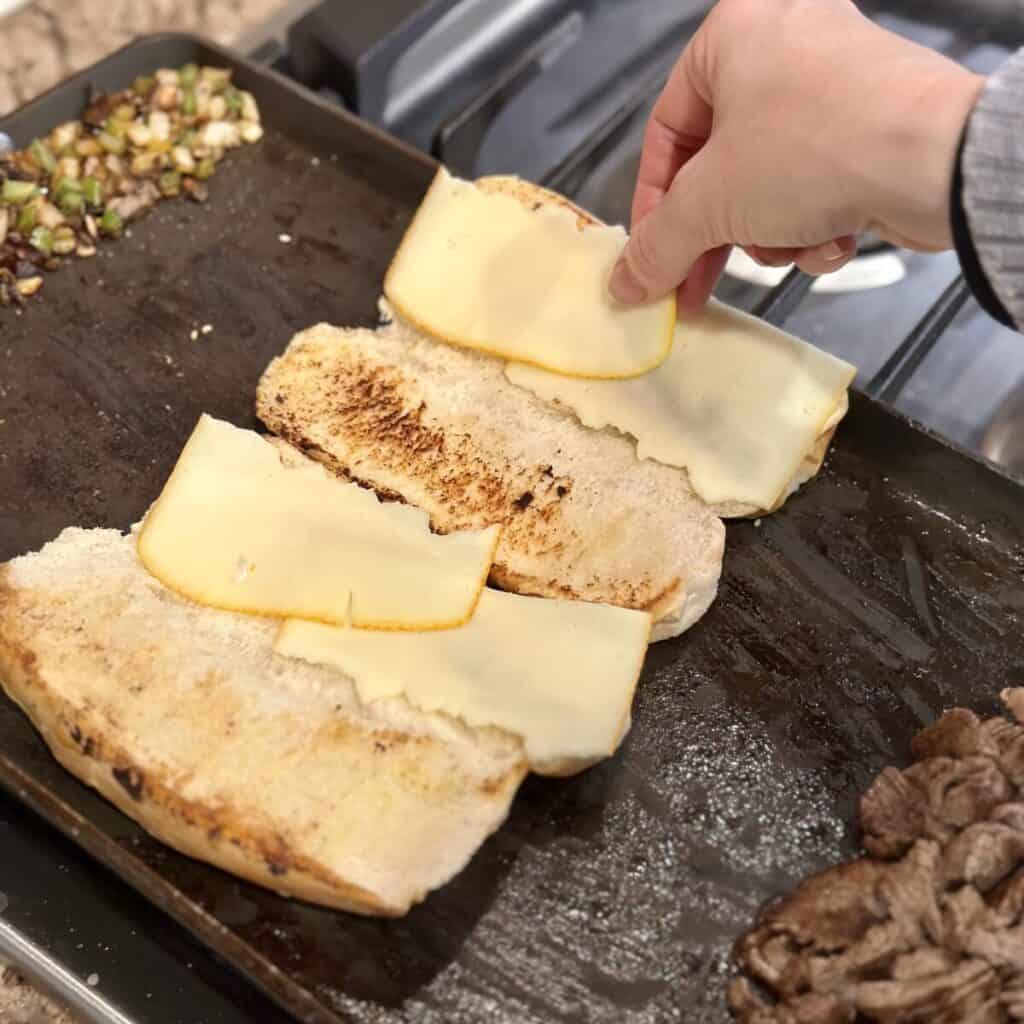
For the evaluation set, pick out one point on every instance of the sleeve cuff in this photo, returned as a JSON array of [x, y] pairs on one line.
[[970, 263]]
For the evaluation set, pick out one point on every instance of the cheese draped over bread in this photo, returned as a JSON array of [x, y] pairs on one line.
[[237, 529], [737, 403], [485, 271], [560, 674]]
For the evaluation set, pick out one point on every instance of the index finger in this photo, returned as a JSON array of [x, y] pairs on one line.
[[678, 127]]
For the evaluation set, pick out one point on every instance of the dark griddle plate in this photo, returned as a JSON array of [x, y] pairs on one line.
[[892, 588]]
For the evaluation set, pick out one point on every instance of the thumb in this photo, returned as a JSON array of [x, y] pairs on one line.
[[670, 239]]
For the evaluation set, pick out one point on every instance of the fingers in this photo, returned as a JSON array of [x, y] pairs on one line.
[[827, 258], [814, 260], [695, 291], [670, 239], [769, 256], [678, 127]]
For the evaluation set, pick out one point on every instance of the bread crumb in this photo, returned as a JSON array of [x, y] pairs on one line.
[[194, 335], [93, 980], [757, 522], [285, 238], [207, 328]]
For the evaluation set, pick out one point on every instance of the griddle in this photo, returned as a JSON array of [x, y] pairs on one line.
[[889, 589]]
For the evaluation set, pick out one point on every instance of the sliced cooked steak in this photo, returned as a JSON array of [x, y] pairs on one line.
[[929, 927]]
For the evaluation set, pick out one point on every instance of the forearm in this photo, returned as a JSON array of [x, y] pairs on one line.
[[988, 196]]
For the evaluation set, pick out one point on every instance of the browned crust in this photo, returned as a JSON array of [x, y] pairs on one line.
[[224, 835], [534, 196], [219, 835]]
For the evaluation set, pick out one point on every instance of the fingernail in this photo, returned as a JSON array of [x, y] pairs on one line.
[[833, 252], [624, 286]]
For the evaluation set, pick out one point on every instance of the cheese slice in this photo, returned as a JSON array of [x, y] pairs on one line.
[[236, 529], [484, 271], [560, 674], [738, 404]]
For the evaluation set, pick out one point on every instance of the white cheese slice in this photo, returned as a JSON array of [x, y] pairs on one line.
[[484, 271], [738, 404], [236, 529], [560, 674]]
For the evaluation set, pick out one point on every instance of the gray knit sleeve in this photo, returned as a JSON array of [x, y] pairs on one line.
[[992, 168]]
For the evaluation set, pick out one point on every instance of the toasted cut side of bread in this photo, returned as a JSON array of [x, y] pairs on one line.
[[265, 766], [535, 196], [442, 428]]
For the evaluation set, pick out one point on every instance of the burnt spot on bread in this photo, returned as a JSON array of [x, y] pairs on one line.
[[318, 454], [276, 867], [131, 780], [368, 418], [385, 740], [84, 743], [374, 418]]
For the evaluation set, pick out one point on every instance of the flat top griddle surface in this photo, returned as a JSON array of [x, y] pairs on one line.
[[890, 589]]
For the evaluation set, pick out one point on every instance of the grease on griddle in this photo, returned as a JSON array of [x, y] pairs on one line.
[[929, 925]]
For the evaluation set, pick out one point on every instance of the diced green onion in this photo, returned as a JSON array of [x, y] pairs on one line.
[[187, 75], [111, 222], [42, 239], [117, 128], [188, 103], [205, 168], [169, 184], [18, 191], [61, 186], [71, 203], [143, 85], [92, 190], [111, 143], [42, 156], [26, 219]]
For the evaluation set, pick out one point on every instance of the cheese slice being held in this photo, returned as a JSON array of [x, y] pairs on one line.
[[737, 403], [560, 674], [237, 529], [484, 271]]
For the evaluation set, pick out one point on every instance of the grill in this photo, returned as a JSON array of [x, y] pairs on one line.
[[870, 566]]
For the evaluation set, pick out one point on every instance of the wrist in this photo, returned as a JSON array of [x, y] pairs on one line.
[[952, 106], [915, 148]]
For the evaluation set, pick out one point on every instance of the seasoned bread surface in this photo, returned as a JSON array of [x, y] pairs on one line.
[[266, 766], [441, 428]]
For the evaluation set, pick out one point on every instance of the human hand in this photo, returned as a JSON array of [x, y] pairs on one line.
[[788, 127]]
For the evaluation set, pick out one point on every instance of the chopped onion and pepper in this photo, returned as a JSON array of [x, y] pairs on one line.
[[160, 139]]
